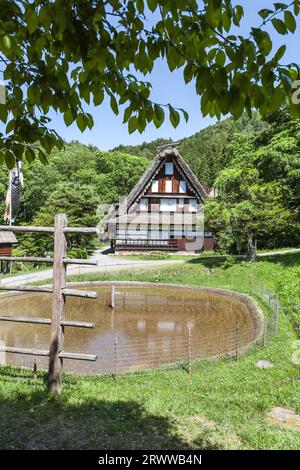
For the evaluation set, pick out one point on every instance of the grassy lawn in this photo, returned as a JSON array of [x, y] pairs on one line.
[[27, 269], [158, 256], [222, 405]]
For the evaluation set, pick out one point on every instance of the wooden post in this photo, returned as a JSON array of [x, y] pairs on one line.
[[58, 305], [237, 339], [113, 296], [276, 313], [115, 354], [190, 350]]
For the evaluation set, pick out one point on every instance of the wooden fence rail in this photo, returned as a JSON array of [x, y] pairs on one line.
[[59, 292]]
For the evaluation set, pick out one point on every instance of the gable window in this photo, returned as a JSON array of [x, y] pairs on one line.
[[168, 186], [154, 186], [193, 205], [168, 205], [182, 186], [169, 168], [144, 204], [181, 203]]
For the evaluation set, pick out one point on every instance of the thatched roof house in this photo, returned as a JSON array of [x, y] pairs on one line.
[[163, 211]]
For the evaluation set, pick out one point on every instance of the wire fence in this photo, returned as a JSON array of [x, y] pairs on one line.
[[119, 353], [124, 355]]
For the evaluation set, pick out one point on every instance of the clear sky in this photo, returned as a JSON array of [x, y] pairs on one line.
[[109, 131]]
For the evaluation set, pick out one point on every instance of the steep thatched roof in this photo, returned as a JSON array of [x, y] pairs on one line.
[[8, 238], [165, 153]]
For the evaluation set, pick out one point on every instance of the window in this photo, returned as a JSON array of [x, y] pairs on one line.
[[167, 205], [168, 186], [144, 204], [193, 205], [169, 168], [182, 187], [181, 203], [154, 186]]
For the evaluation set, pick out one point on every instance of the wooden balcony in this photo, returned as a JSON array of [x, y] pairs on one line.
[[146, 245]]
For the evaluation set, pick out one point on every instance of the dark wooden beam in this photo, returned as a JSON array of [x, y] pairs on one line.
[[83, 230], [47, 290], [79, 293], [40, 352], [46, 321], [25, 228], [26, 259]]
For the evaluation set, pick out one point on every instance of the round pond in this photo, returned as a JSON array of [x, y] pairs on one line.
[[151, 325]]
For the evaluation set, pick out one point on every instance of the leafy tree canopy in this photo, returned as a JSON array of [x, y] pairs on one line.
[[259, 191], [59, 54]]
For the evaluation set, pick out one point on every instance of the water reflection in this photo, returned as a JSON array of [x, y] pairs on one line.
[[148, 327]]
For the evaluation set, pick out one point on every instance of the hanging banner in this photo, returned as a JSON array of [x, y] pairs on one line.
[[14, 193]]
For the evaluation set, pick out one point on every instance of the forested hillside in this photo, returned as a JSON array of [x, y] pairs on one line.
[[259, 191], [75, 181], [204, 151]]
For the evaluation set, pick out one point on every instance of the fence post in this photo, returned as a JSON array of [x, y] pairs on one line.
[[189, 350], [115, 353], [113, 296], [276, 313], [237, 339], [265, 332], [36, 343], [58, 305]]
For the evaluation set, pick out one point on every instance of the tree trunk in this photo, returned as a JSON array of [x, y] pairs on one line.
[[252, 249]]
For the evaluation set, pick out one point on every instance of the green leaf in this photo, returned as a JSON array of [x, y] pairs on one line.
[[290, 21], [69, 117], [280, 53], [6, 42], [33, 22], [174, 117], [10, 126], [226, 22], [159, 116], [81, 123], [132, 124], [29, 154], [43, 157], [140, 5], [10, 160], [89, 120], [280, 26], [264, 13], [98, 96], [188, 73], [3, 113], [114, 105], [221, 58], [152, 4], [127, 114], [185, 115]]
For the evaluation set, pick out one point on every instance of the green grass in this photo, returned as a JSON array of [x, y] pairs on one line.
[[27, 269], [221, 405], [206, 254]]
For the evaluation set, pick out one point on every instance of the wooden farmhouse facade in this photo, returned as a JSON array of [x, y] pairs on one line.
[[7, 242], [163, 212]]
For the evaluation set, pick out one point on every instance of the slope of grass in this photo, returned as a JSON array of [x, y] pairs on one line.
[[221, 405]]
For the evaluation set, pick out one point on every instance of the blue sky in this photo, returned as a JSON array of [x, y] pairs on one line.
[[109, 131]]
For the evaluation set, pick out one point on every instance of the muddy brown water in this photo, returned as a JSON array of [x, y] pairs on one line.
[[150, 326]]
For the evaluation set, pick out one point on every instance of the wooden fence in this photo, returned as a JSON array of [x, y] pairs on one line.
[[59, 293]]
